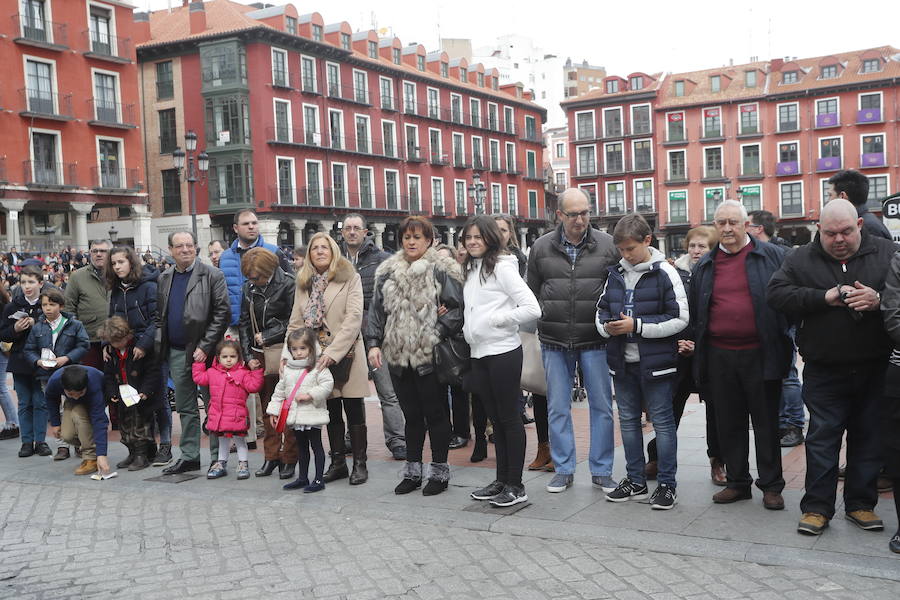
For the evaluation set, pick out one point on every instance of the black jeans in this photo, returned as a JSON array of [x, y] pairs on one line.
[[424, 405], [738, 390], [497, 379], [459, 411], [842, 398], [541, 423]]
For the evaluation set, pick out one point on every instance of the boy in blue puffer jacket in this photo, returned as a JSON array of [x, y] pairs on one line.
[[642, 308]]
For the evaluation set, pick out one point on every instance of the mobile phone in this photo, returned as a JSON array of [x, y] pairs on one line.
[[610, 321]]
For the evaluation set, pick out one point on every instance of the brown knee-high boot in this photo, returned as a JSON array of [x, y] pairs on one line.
[[359, 443]]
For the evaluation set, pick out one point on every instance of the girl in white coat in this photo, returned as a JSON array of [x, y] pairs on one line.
[[497, 301], [305, 390]]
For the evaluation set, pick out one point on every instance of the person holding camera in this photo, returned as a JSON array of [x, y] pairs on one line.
[[832, 288]]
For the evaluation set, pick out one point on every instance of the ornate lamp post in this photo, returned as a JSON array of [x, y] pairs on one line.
[[477, 191], [191, 176]]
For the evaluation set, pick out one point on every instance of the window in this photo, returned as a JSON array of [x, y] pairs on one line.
[[290, 24], [640, 119], [459, 195], [615, 197], [829, 72], [231, 181], [389, 138], [456, 108], [40, 87], [317, 35], [587, 160], [279, 68], [791, 198], [224, 65], [395, 56], [409, 98], [492, 116], [584, 126], [643, 195], [643, 155], [360, 87], [508, 120], [102, 33], [830, 148], [712, 122], [677, 166], [434, 104], [373, 49], [171, 191], [560, 178], [532, 204], [789, 77], [227, 120], [712, 162], [477, 162], [679, 87], [391, 189], [168, 137], [530, 164], [336, 128], [435, 147], [464, 74], [636, 83], [475, 112], [511, 200], [109, 154], [878, 191], [750, 160], [437, 195], [366, 188], [678, 207], [749, 119], [870, 101], [34, 21], [612, 122], [308, 72], [510, 157], [311, 125], [713, 197], [480, 78], [286, 192], [612, 86], [751, 197], [339, 184], [494, 151], [559, 150], [387, 93], [788, 118], [715, 83], [497, 199], [362, 134], [787, 153], [871, 65], [615, 161], [829, 106], [345, 41], [675, 127], [413, 187], [873, 144], [164, 81], [445, 69], [412, 142], [750, 79], [106, 108], [459, 154], [531, 128]]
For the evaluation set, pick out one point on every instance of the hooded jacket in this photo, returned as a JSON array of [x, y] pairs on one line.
[[317, 384], [228, 391], [72, 342], [137, 304], [271, 305], [367, 260], [651, 293], [18, 364]]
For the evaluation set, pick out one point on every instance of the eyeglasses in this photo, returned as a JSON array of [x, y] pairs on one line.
[[99, 251], [353, 228], [574, 215]]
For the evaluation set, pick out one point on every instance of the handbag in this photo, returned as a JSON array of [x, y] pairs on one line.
[[270, 355], [340, 371], [534, 379], [286, 404], [451, 360]]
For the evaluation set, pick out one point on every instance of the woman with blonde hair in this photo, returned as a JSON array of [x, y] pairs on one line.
[[329, 300]]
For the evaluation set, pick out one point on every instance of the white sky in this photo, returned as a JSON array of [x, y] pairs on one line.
[[648, 35]]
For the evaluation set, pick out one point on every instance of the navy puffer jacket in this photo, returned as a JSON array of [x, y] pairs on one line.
[[137, 304]]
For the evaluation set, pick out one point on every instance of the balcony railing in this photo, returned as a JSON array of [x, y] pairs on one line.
[[107, 47], [753, 171], [715, 174], [40, 173], [438, 159], [584, 135], [122, 180], [41, 32], [349, 93], [532, 136], [388, 102], [112, 114], [677, 175], [711, 133], [49, 105], [3, 169]]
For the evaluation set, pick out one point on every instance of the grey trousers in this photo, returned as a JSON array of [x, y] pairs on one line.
[[391, 414]]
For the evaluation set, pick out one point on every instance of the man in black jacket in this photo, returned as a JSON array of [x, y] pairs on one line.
[[360, 249], [854, 186], [831, 286], [192, 314], [567, 270]]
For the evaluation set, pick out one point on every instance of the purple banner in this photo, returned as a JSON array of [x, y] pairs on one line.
[[788, 168], [872, 159], [827, 120], [832, 163], [868, 115]]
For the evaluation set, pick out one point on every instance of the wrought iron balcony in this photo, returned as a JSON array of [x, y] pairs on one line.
[[46, 105], [41, 33], [98, 44]]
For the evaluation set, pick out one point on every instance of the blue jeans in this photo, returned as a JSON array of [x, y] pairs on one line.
[[632, 392], [791, 411], [560, 368], [6, 404], [32, 408]]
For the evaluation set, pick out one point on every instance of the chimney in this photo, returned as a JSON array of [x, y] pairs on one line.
[[141, 28], [198, 17], [776, 64]]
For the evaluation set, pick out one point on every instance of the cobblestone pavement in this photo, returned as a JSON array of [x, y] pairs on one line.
[[163, 541]]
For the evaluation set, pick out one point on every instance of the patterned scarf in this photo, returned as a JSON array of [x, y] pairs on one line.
[[315, 308]]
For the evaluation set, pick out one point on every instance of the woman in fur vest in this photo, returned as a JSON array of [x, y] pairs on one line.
[[329, 300], [417, 302]]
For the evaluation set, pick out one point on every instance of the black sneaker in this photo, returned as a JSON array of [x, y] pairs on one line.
[[792, 436], [489, 491], [663, 497], [511, 494], [627, 490]]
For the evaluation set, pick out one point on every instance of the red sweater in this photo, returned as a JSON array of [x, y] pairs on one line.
[[732, 321]]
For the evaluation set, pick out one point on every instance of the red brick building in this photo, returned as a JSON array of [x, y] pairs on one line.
[[70, 139], [306, 121], [768, 133]]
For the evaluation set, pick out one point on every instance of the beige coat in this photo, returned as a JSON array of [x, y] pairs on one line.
[[343, 318]]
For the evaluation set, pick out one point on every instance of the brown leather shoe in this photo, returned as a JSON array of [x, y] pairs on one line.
[[729, 495], [651, 470], [773, 500], [717, 472], [86, 467], [542, 459], [62, 453]]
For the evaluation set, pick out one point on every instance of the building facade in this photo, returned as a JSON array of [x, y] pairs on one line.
[[769, 133], [70, 131], [581, 78], [306, 121]]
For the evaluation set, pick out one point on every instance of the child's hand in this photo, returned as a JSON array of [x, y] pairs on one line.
[[273, 421], [302, 398]]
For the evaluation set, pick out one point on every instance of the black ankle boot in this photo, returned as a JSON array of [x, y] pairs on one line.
[[267, 468], [479, 452], [337, 469]]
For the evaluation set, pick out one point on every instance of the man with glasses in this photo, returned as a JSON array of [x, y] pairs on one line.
[[358, 246], [192, 315], [742, 351], [567, 270], [86, 297]]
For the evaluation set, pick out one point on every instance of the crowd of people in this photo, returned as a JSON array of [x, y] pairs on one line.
[[281, 347]]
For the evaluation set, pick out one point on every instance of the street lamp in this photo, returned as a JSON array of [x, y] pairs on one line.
[[113, 234], [477, 192], [192, 175]]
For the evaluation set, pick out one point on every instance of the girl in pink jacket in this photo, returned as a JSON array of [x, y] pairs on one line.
[[229, 382]]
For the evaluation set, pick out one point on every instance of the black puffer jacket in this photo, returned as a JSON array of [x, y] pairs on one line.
[[137, 304], [567, 292], [829, 334], [272, 305], [367, 261], [17, 361]]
